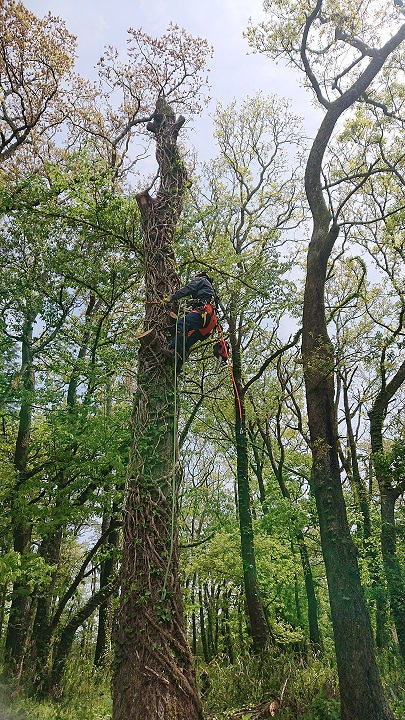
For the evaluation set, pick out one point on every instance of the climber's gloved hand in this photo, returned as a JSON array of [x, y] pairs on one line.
[[166, 300]]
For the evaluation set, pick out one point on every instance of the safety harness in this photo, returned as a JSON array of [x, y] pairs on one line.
[[209, 317]]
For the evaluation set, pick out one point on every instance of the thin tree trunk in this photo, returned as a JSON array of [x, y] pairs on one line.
[[362, 495], [41, 638], [44, 626], [353, 471], [393, 569], [209, 624], [154, 673], [312, 604], [3, 597], [21, 608], [226, 627], [68, 633], [258, 625], [314, 632], [203, 632], [258, 622], [193, 616], [107, 571]]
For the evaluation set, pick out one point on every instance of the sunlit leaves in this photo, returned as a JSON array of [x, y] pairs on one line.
[[330, 42], [34, 57]]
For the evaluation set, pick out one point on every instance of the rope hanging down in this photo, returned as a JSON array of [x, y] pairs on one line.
[[235, 387], [174, 461]]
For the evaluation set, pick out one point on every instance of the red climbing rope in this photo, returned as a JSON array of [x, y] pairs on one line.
[[231, 371]]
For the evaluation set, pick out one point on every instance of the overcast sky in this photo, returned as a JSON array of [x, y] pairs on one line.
[[235, 72]]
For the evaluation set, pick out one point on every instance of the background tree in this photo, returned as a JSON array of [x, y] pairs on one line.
[[35, 57], [81, 310], [360, 62], [253, 199]]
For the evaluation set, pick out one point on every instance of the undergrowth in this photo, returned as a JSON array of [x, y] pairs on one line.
[[289, 686], [87, 696], [293, 687]]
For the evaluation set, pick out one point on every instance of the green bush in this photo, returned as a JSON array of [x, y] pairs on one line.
[[323, 708]]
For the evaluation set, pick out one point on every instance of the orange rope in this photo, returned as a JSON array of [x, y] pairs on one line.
[[232, 375]]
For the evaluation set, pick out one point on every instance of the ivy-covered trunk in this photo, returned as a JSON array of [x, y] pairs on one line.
[[154, 676]]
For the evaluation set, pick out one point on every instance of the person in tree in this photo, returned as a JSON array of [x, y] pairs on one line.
[[200, 320]]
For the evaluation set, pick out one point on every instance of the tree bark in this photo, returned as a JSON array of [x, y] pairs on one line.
[[154, 675]]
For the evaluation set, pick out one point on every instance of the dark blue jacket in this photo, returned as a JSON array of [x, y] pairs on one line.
[[199, 288]]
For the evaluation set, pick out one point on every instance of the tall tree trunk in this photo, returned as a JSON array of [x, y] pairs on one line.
[[360, 685], [258, 622], [20, 615], [361, 691], [154, 673]]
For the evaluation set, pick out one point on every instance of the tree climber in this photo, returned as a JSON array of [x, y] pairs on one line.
[[200, 321]]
